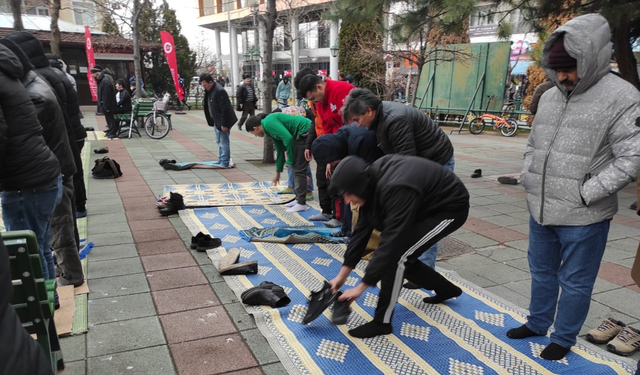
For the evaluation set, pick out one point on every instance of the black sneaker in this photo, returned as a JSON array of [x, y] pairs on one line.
[[506, 180], [341, 311], [195, 239], [207, 242], [318, 302], [477, 173]]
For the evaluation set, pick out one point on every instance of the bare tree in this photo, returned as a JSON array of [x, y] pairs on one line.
[[54, 9], [268, 22], [206, 60], [16, 9]]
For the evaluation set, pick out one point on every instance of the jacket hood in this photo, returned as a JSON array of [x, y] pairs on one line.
[[9, 63], [53, 60], [31, 47], [588, 40], [329, 148], [24, 60], [105, 72]]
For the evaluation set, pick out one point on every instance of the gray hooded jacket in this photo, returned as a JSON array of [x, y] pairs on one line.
[[584, 145]]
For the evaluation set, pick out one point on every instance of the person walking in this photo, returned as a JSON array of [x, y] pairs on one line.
[[247, 99], [289, 134], [220, 115], [184, 92], [283, 92], [583, 148], [414, 203]]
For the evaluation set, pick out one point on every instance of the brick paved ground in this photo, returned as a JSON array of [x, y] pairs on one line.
[[157, 307]]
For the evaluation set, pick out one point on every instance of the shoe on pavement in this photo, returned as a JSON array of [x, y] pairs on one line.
[[318, 302], [333, 223], [626, 342], [166, 161], [320, 217], [287, 190], [207, 242], [607, 330], [506, 180], [102, 150], [341, 311], [298, 208], [174, 204], [477, 173], [634, 206]]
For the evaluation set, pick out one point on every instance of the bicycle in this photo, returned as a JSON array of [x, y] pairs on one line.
[[508, 127], [156, 124]]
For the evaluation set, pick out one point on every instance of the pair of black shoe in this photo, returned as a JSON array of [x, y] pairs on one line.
[[203, 242], [477, 173], [267, 293], [320, 300], [172, 205]]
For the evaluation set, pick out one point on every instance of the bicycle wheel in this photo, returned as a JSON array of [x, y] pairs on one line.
[[476, 126], [158, 127], [509, 131]]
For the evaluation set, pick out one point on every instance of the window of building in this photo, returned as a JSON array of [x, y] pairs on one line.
[[280, 41], [84, 13], [308, 35], [484, 16], [37, 8], [324, 35]]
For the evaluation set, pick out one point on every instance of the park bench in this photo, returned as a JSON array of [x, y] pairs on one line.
[[131, 123], [33, 297]]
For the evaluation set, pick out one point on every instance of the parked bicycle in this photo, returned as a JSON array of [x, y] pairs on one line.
[[508, 127], [157, 124]]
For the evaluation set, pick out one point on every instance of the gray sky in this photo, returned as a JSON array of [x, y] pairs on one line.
[[187, 13]]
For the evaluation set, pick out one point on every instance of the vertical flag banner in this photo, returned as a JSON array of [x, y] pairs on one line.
[[91, 62], [170, 53]]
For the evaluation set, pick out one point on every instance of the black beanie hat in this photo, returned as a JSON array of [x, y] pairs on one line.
[[352, 176], [559, 58]]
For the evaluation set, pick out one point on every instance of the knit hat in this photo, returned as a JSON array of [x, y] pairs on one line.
[[96, 69], [351, 176], [559, 58]]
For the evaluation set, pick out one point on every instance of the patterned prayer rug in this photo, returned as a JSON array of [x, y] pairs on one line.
[[462, 336], [197, 165], [302, 234], [229, 194]]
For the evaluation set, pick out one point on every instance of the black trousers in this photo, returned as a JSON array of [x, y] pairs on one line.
[[424, 234], [112, 126], [78, 183], [300, 164], [248, 109], [324, 198]]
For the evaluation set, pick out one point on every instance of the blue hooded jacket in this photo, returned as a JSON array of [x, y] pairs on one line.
[[348, 140]]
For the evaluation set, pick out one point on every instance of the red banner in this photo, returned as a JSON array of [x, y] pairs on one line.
[[170, 53], [91, 62]]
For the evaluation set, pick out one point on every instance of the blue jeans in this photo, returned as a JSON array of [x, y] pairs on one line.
[[568, 258], [31, 209], [638, 371], [224, 152], [290, 179], [429, 256]]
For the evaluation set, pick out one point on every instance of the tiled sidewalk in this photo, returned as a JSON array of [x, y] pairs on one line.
[[157, 307]]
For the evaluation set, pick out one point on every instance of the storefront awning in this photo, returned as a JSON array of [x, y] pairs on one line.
[[520, 67]]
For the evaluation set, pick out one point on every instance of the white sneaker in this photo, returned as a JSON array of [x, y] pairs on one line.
[[291, 204], [298, 208]]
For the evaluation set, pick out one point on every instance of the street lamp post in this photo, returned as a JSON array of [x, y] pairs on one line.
[[335, 49]]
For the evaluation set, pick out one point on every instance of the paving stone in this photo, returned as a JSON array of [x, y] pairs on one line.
[[626, 244], [161, 247], [224, 293], [520, 245], [109, 209], [74, 348], [274, 369], [211, 272], [502, 253], [240, 316], [623, 300], [110, 287], [114, 309], [522, 287], [154, 360], [183, 299], [470, 260], [482, 212], [114, 267], [474, 278], [105, 219], [501, 273], [161, 223], [617, 232], [100, 253], [197, 324], [73, 368], [124, 336], [200, 257], [176, 278], [521, 264], [509, 295], [522, 228], [503, 220], [524, 215], [616, 274], [167, 261], [602, 285], [503, 235], [259, 346], [475, 240], [599, 312], [95, 227], [628, 263], [146, 235], [114, 238], [213, 355], [506, 208]]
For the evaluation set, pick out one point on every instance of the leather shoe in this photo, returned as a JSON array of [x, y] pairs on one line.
[[241, 268], [477, 173], [341, 311], [318, 302], [195, 239], [102, 150], [165, 161], [207, 242], [267, 293]]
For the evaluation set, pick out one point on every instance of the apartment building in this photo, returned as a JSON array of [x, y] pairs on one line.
[[78, 12]]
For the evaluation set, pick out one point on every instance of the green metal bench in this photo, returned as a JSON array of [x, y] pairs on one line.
[[141, 108], [33, 297]]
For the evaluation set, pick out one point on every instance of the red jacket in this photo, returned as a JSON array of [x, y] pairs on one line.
[[334, 95]]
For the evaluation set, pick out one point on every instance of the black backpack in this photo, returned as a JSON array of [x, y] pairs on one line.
[[106, 168]]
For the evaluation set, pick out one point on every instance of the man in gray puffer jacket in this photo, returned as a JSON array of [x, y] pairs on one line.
[[583, 148]]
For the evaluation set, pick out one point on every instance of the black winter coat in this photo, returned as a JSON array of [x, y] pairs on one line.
[[25, 159], [217, 108], [106, 91], [48, 110], [348, 140], [408, 131], [241, 94], [124, 105]]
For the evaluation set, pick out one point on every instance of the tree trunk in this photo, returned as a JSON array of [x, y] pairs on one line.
[[137, 8], [55, 30], [269, 21], [16, 9], [623, 53]]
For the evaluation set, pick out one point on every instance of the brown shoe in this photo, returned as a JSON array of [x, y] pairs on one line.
[[626, 343], [607, 330]]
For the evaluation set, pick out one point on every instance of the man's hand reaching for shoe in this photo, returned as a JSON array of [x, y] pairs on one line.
[[353, 293]]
